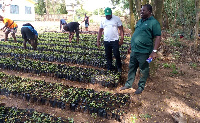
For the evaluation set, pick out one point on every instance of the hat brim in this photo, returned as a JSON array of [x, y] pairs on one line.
[[108, 13]]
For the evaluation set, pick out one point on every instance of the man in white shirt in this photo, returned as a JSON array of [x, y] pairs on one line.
[[110, 25]]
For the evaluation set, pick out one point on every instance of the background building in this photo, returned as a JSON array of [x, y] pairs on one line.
[[19, 10]]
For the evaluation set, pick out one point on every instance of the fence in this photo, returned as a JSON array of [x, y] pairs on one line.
[[52, 17]]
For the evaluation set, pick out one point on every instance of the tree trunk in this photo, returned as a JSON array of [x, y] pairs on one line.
[[138, 8], [158, 8], [54, 8], [158, 5], [144, 2], [165, 20], [182, 16], [47, 11], [197, 6], [132, 19]]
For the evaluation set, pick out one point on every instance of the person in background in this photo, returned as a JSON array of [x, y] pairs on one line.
[[10, 26], [29, 34], [110, 25], [72, 27], [86, 19], [143, 47], [62, 23]]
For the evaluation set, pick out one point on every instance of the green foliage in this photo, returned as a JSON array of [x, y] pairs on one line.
[[177, 54], [40, 7], [53, 7], [124, 3], [145, 116], [173, 41], [181, 14], [133, 118], [101, 11], [166, 65], [118, 13], [194, 65], [172, 66], [62, 9], [81, 12], [174, 69]]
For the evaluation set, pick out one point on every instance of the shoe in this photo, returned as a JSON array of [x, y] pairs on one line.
[[124, 88], [138, 91]]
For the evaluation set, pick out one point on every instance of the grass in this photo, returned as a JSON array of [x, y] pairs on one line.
[[172, 66]]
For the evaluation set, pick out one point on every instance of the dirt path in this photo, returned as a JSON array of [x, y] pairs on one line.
[[164, 94]]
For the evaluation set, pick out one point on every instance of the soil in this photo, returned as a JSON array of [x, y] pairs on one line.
[[165, 94]]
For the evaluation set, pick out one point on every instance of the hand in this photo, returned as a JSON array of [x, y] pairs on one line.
[[153, 55], [121, 41], [129, 51]]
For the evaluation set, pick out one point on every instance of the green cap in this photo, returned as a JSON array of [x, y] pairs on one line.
[[108, 11]]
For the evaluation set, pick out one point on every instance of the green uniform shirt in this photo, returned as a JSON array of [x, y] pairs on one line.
[[145, 31]]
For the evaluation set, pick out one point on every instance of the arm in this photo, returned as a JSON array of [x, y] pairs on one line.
[[121, 34], [99, 37], [84, 19], [60, 25], [5, 26], [129, 49], [157, 44]]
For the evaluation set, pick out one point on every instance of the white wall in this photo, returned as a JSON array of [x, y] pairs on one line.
[[21, 16]]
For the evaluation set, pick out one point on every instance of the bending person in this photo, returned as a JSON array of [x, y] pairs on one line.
[[29, 34], [72, 27], [62, 23], [10, 26]]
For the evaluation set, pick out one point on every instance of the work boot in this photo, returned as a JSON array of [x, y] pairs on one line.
[[138, 91]]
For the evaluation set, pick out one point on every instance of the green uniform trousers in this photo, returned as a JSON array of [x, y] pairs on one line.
[[138, 60]]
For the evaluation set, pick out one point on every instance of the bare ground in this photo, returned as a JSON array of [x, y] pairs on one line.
[[164, 94]]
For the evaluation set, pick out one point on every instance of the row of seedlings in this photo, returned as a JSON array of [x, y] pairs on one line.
[[94, 58], [86, 59], [16, 115], [73, 73], [89, 44], [103, 104]]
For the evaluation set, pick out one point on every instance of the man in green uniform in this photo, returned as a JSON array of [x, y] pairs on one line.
[[146, 29]]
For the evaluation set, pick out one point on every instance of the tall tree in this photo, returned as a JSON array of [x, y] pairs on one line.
[[99, 11], [138, 8], [144, 2], [158, 8], [132, 19], [40, 8], [197, 6], [131, 8], [118, 13], [62, 8], [47, 9]]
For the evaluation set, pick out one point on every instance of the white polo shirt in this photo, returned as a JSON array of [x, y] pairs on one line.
[[111, 28]]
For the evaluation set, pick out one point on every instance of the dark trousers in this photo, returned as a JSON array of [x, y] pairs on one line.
[[112, 46], [138, 60]]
